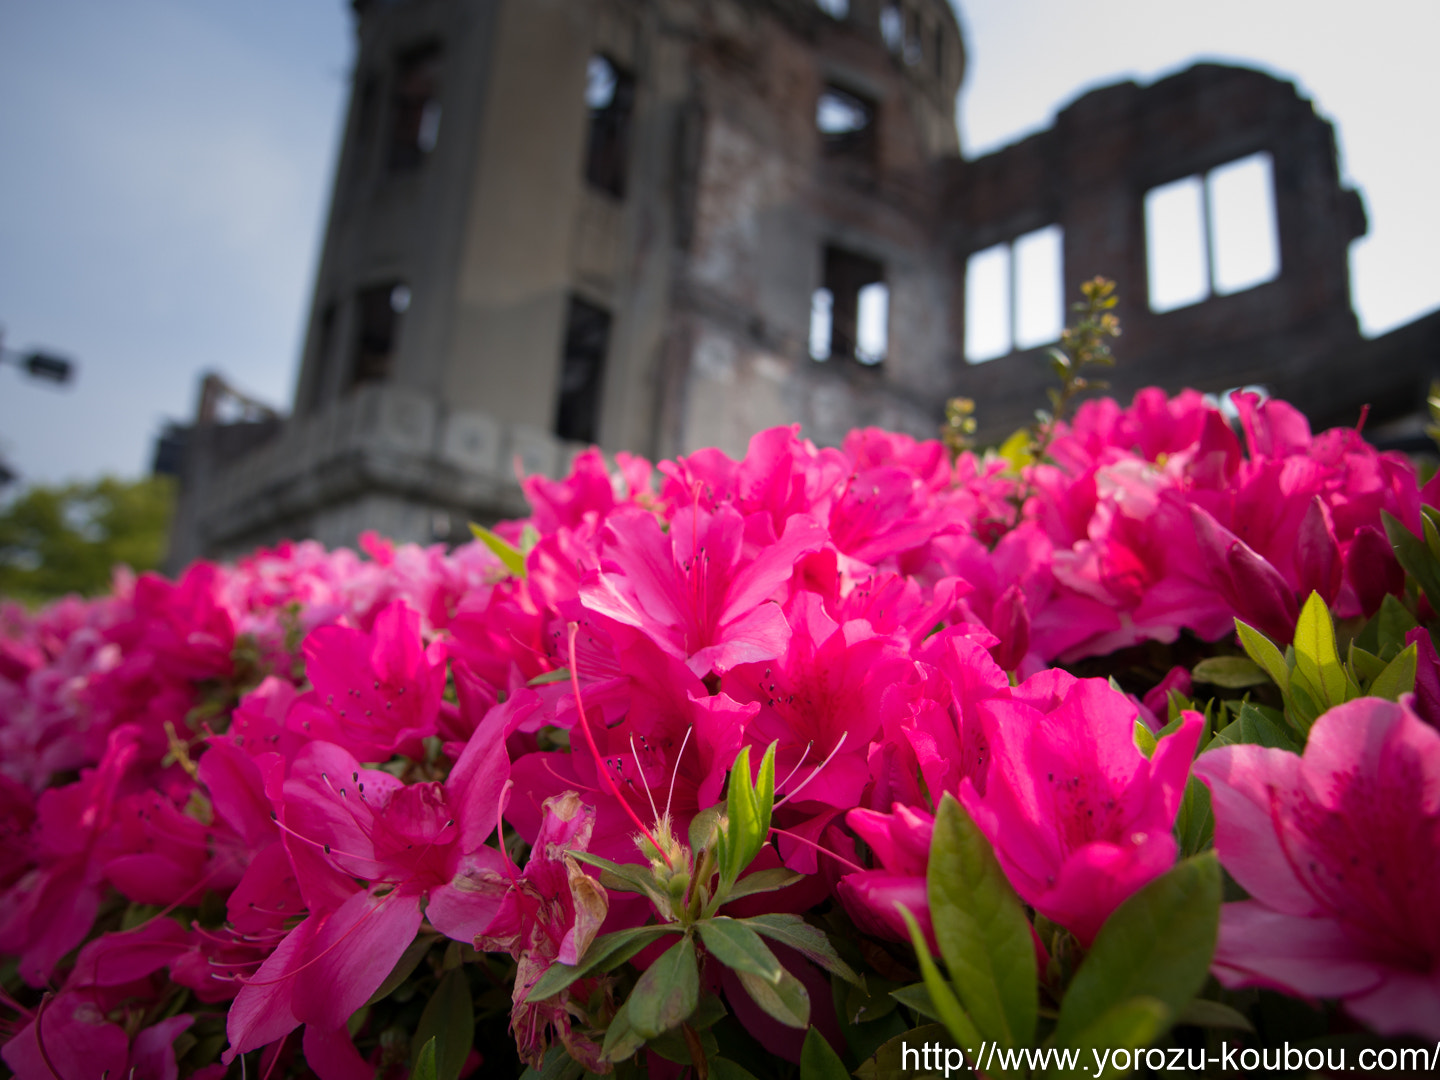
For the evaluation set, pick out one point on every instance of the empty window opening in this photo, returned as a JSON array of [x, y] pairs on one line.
[[582, 371], [324, 358], [892, 27], [1015, 295], [846, 122], [850, 312], [415, 108], [914, 53], [822, 306], [381, 308], [366, 121], [1242, 215], [1212, 235], [836, 9], [872, 323], [610, 97]]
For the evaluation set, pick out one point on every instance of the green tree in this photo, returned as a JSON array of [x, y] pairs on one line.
[[64, 539]]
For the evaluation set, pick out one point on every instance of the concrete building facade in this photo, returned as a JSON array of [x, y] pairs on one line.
[[657, 225]]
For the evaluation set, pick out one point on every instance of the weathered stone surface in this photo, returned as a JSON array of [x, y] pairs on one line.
[[732, 206]]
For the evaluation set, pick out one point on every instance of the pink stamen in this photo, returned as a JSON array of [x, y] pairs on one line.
[[675, 769], [822, 850], [828, 758], [335, 945], [40, 1036]]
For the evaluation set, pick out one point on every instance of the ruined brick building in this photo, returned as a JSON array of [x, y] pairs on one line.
[[663, 224]]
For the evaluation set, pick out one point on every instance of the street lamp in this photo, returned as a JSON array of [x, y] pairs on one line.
[[38, 364]]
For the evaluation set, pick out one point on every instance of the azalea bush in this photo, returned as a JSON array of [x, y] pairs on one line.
[[791, 765]]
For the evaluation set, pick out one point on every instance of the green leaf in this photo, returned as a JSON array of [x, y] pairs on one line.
[[425, 1062], [1016, 450], [1392, 623], [1398, 677], [809, 941], [512, 557], [556, 1065], [763, 881], [1230, 672], [1144, 739], [1264, 652], [1257, 726], [1205, 1013], [1414, 555], [868, 1004], [449, 1022], [704, 826], [404, 967], [956, 1020], [1305, 705], [628, 877], [1195, 824], [1127, 1025], [748, 809], [739, 948], [916, 998], [1157, 944], [1366, 665], [1432, 534], [818, 1061], [605, 953], [621, 1038], [668, 991], [897, 1059], [786, 1000], [1315, 653], [558, 675], [981, 929], [672, 1046], [725, 1069]]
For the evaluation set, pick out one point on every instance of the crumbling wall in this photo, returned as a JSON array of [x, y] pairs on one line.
[[1089, 174]]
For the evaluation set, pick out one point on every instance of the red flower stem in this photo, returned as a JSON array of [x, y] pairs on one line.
[[595, 751]]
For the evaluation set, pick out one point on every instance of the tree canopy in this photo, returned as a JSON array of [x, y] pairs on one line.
[[68, 538]]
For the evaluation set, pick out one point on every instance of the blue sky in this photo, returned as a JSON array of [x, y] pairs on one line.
[[165, 167]]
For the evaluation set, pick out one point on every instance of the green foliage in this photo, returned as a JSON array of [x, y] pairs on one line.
[[981, 929], [958, 431], [447, 1026], [425, 1068], [1141, 975], [1311, 676], [69, 539], [665, 1009], [512, 557], [1156, 945], [818, 1061], [1082, 346]]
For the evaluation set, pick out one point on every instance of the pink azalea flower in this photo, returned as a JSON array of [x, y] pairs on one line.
[[1078, 816], [820, 700], [375, 693], [71, 1037], [420, 847], [549, 914], [692, 591], [900, 840], [51, 908], [1340, 853]]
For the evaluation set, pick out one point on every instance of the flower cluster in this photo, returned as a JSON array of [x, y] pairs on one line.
[[234, 805]]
